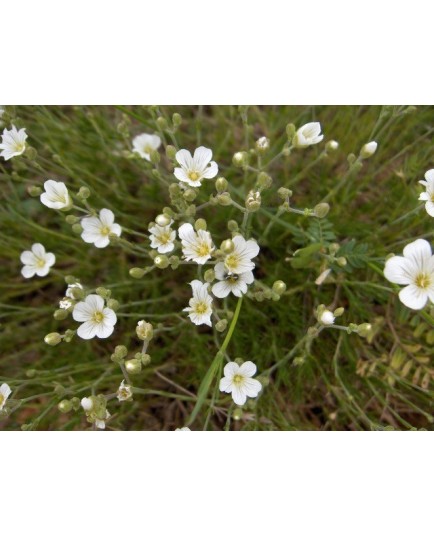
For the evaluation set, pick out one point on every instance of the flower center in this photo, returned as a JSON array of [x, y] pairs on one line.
[[19, 147], [98, 317], [237, 379], [432, 197], [232, 278], [193, 176], [105, 230], [164, 238], [232, 262], [147, 149], [201, 308], [202, 250], [40, 263], [423, 280], [2, 399]]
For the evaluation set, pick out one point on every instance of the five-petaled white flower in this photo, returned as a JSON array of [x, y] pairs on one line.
[[194, 169], [235, 283], [428, 195], [13, 142], [124, 392], [36, 261], [416, 270], [97, 229], [327, 318], [238, 381], [162, 238], [196, 247], [5, 391], [308, 134], [200, 309], [239, 260], [98, 320], [56, 195], [144, 144]]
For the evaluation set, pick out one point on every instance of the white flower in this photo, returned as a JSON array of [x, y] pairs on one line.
[[36, 261], [13, 142], [194, 169], [87, 404], [263, 144], [97, 229], [327, 318], [162, 238], [69, 293], [68, 300], [239, 260], [308, 134], [238, 381], [428, 196], [368, 149], [56, 195], [98, 320], [200, 309], [235, 283], [124, 392], [5, 391], [183, 429], [144, 144], [100, 423], [196, 247], [416, 270]]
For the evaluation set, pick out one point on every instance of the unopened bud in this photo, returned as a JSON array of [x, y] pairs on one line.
[[113, 304], [144, 330], [133, 366], [263, 144], [176, 120], [339, 311], [60, 314], [321, 210], [240, 159], [137, 273], [253, 201], [224, 199], [264, 180], [190, 194], [162, 123], [162, 220], [232, 226], [171, 152], [200, 224], [221, 185], [77, 228], [145, 359], [53, 339], [290, 131], [342, 261], [155, 157], [332, 146], [368, 149], [284, 193], [71, 219], [65, 406], [279, 287], [364, 330], [227, 246], [209, 275], [83, 193], [34, 191], [161, 261], [221, 325]]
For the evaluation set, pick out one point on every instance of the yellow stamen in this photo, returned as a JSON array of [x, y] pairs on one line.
[[202, 250], [238, 379], [423, 280], [98, 317], [232, 262], [201, 308], [193, 176], [105, 230]]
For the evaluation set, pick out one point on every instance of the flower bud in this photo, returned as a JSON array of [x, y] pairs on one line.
[[284, 193], [190, 194], [237, 414], [137, 273], [162, 123], [221, 325], [232, 226], [171, 152], [209, 275], [144, 330], [321, 210], [176, 120], [364, 330], [145, 359], [339, 311], [174, 261], [87, 403], [64, 406], [264, 180], [279, 287], [162, 220], [332, 146], [161, 261], [103, 292], [83, 193], [77, 228], [240, 159], [155, 157], [290, 131], [253, 201], [200, 224], [227, 246], [224, 199], [113, 304], [342, 261], [368, 149], [262, 145], [69, 335], [53, 339], [121, 351], [327, 318], [133, 366], [190, 211], [221, 185], [34, 191], [70, 219], [60, 314]]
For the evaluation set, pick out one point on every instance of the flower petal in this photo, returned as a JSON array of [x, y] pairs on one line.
[[231, 369], [95, 302], [252, 387], [211, 171], [399, 270], [106, 217], [418, 252], [110, 317], [28, 271], [238, 395], [82, 312], [87, 330], [184, 158], [248, 369], [221, 289], [202, 157], [413, 297], [225, 385]]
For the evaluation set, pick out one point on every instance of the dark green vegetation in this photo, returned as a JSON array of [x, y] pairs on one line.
[[338, 382]]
